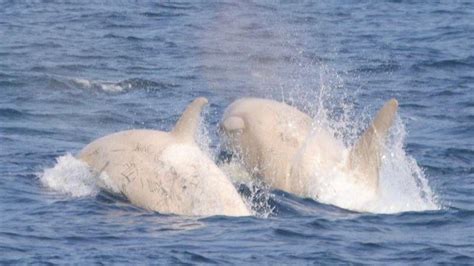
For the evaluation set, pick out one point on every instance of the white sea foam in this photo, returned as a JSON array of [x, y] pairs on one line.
[[73, 177], [107, 86], [70, 176]]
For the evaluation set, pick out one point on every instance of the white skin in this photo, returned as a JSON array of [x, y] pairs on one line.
[[165, 171], [278, 143]]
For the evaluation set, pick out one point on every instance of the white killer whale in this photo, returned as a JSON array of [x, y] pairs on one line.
[[165, 171], [278, 143]]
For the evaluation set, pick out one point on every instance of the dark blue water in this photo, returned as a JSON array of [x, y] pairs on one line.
[[70, 73]]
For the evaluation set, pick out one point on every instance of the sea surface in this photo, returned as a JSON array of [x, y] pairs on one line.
[[73, 71]]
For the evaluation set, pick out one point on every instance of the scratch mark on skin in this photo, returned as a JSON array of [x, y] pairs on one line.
[[126, 177], [142, 148], [153, 186], [117, 150], [130, 173], [156, 187]]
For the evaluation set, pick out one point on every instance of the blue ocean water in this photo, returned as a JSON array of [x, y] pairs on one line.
[[72, 72]]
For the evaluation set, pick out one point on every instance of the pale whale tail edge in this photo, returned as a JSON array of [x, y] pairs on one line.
[[187, 125], [365, 155]]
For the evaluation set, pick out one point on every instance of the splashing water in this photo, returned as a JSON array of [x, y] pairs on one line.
[[203, 138], [256, 194], [73, 177], [402, 184]]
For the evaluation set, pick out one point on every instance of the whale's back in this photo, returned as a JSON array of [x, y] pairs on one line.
[[156, 172]]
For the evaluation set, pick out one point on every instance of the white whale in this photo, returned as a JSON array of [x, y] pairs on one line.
[[165, 171], [278, 143]]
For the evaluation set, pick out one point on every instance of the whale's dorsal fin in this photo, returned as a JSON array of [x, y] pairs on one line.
[[365, 156], [187, 125]]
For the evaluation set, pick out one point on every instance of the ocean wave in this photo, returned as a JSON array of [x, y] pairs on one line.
[[106, 86], [446, 64], [11, 113]]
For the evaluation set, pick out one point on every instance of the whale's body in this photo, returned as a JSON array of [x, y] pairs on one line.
[[165, 171], [279, 143]]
